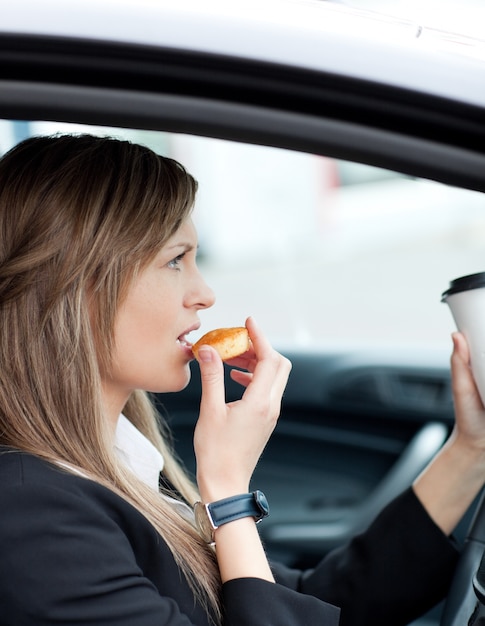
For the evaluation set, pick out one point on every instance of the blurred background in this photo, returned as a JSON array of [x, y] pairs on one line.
[[322, 252]]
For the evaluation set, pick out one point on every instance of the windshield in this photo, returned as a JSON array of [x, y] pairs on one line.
[[321, 252]]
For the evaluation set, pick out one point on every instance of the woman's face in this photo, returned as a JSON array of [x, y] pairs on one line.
[[151, 348]]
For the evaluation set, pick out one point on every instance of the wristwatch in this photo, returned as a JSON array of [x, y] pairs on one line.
[[209, 517]]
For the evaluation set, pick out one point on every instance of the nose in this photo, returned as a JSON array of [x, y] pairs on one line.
[[202, 296]]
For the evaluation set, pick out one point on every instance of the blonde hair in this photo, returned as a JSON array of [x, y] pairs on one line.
[[79, 216]]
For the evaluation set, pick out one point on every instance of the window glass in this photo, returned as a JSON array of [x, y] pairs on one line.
[[322, 252]]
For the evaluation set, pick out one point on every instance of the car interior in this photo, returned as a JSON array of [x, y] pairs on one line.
[[333, 210]]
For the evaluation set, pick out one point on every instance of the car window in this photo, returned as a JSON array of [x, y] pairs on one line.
[[322, 252]]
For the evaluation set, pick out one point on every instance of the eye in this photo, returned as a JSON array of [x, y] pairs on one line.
[[174, 264]]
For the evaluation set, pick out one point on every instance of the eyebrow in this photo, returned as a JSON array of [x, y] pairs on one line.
[[185, 245]]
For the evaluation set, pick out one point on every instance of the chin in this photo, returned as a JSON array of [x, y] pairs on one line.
[[176, 384]]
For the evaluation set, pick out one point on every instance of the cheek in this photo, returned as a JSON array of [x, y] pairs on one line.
[[144, 336], [146, 352], [144, 319], [147, 355]]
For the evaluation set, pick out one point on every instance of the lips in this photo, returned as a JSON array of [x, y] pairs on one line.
[[182, 339]]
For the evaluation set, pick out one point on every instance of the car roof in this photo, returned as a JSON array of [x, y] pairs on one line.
[[309, 34]]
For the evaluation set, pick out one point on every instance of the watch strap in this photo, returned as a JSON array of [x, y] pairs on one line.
[[235, 507]]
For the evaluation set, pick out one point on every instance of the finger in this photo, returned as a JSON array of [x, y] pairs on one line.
[[250, 360], [281, 380], [460, 346], [243, 378], [260, 348], [212, 379], [272, 368], [245, 361], [259, 342], [278, 383], [460, 363], [269, 379], [269, 368], [463, 383]]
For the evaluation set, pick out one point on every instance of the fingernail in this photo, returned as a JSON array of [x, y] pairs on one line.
[[205, 354]]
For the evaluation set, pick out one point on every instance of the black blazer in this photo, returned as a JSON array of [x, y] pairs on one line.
[[73, 552]]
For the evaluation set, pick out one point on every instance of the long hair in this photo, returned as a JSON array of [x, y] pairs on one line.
[[79, 217]]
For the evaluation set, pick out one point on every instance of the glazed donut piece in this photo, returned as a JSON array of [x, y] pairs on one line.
[[229, 342]]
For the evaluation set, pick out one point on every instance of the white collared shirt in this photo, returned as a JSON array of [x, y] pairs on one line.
[[138, 453], [141, 457]]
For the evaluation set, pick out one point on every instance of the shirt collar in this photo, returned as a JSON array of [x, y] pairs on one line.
[[138, 453]]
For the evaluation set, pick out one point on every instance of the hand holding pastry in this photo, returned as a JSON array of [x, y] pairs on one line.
[[229, 438]]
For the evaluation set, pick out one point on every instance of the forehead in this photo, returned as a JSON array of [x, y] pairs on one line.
[[186, 235]]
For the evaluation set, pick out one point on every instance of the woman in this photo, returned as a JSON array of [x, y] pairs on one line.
[[99, 289]]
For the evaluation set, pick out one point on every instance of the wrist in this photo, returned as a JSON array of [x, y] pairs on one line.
[[211, 516], [240, 553], [466, 454], [452, 480], [213, 491]]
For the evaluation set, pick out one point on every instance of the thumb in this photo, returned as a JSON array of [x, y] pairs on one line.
[[212, 378]]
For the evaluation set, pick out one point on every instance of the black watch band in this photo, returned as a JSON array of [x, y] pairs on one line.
[[210, 516]]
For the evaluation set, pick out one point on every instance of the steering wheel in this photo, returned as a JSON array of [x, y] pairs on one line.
[[462, 597]]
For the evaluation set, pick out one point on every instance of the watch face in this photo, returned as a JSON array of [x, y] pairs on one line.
[[203, 522], [262, 503]]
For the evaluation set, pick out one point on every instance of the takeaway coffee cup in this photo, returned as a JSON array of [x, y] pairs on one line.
[[466, 299]]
